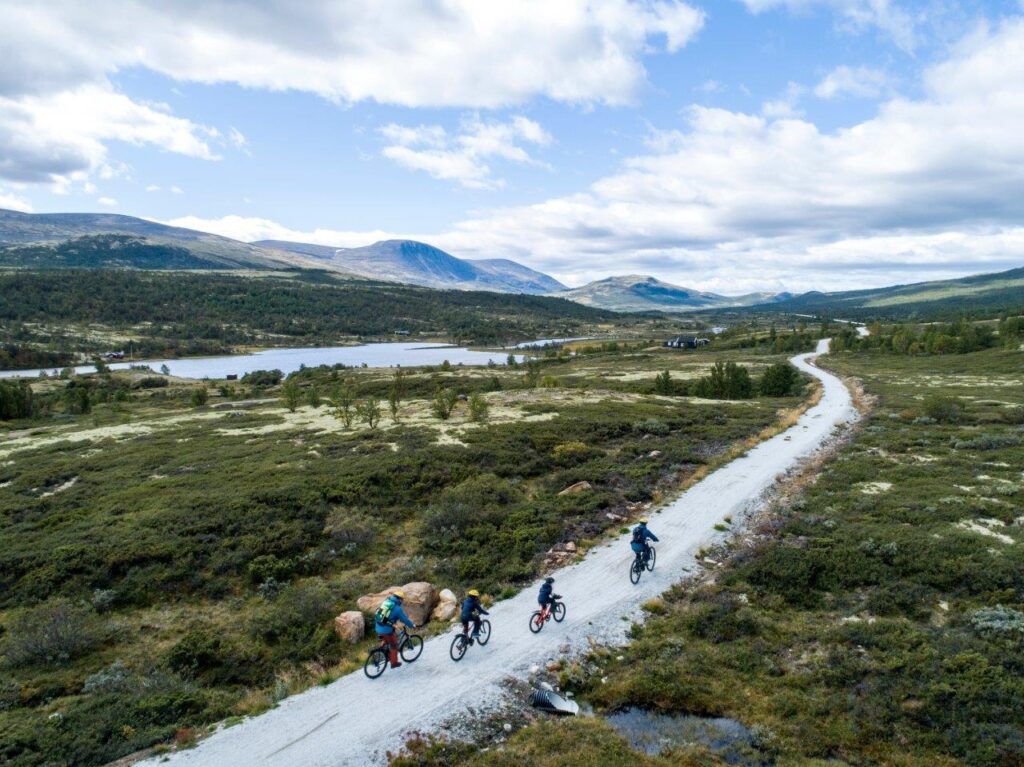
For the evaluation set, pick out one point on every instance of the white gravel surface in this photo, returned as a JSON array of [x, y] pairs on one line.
[[354, 720]]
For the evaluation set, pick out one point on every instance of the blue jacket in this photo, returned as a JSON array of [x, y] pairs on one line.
[[471, 607], [545, 594], [645, 535], [397, 616]]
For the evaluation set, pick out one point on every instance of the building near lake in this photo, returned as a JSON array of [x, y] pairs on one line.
[[687, 342]]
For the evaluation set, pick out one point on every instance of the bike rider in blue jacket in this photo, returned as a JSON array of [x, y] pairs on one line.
[[471, 612], [545, 598], [388, 614], [640, 537]]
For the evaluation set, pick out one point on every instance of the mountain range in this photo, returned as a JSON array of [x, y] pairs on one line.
[[640, 293], [102, 240], [420, 264]]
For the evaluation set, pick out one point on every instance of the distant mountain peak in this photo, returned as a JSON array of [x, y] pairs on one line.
[[643, 293], [419, 263]]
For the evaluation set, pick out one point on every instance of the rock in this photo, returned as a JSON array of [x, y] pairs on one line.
[[369, 603], [447, 606], [569, 547], [564, 649], [654, 454], [614, 517], [506, 727], [553, 665], [577, 488], [420, 598], [350, 626]]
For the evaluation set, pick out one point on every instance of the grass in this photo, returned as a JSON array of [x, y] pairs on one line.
[[206, 549], [878, 616]]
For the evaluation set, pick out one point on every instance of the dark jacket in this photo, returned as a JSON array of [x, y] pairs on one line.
[[545, 596], [471, 608], [641, 532]]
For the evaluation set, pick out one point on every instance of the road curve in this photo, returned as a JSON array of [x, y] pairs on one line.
[[354, 720]]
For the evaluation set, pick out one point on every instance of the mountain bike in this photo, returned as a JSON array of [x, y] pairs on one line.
[[638, 566], [409, 647], [555, 610], [461, 642]]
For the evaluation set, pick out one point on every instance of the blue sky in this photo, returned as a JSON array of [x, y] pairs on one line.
[[729, 145]]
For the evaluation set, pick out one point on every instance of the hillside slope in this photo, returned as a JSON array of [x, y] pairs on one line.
[[103, 240], [1001, 291], [640, 293], [418, 263]]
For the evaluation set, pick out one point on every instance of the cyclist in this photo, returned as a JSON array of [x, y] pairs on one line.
[[639, 542], [471, 612], [545, 598], [388, 614]]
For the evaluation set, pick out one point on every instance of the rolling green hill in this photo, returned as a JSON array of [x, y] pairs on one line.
[[982, 293]]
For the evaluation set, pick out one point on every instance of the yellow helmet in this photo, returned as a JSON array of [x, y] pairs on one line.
[[642, 521], [473, 593], [398, 593]]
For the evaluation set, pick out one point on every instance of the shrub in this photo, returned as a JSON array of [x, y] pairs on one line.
[[998, 620], [651, 426], [779, 380], [723, 620], [52, 633], [987, 442], [200, 396], [663, 384], [942, 408], [150, 382], [263, 377], [479, 409], [291, 394], [727, 380], [369, 411], [113, 679], [213, 658], [443, 403]]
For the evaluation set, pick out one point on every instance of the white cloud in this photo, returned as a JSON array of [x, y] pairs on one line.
[[108, 202], [238, 139], [177, 190], [734, 201], [856, 15], [463, 157], [152, 188], [11, 201], [861, 82], [451, 53], [61, 137], [251, 228]]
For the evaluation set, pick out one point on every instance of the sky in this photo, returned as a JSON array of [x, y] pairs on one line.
[[725, 145]]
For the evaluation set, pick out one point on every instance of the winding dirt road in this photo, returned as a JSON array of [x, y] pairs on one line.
[[353, 721]]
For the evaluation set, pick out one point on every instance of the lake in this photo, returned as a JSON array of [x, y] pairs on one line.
[[404, 354]]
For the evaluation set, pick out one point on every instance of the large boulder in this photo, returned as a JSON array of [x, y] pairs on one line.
[[369, 603], [447, 606], [350, 626], [420, 598]]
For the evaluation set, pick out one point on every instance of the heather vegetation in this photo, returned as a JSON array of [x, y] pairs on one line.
[[874, 617], [174, 552]]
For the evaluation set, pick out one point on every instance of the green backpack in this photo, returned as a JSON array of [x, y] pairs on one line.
[[383, 614]]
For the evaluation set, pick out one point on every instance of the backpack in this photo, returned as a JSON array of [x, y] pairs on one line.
[[638, 534], [383, 614]]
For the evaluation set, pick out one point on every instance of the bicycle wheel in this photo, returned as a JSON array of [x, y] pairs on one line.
[[485, 633], [558, 612], [376, 662], [650, 561], [458, 648], [536, 622], [411, 647], [635, 569]]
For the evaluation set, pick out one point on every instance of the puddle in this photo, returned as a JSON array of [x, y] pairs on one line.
[[653, 733]]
